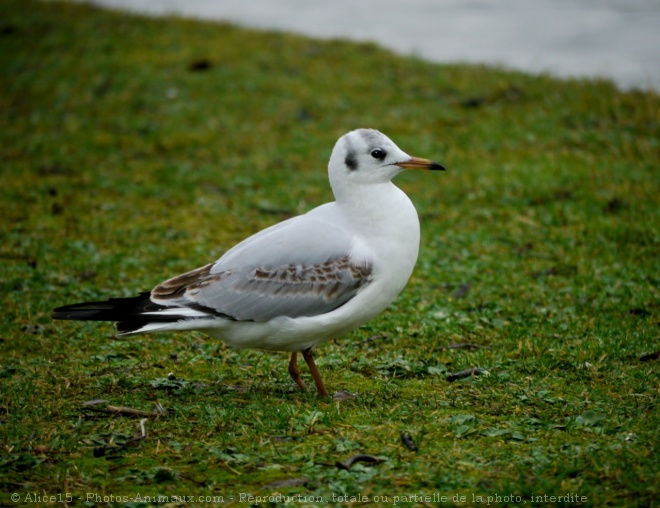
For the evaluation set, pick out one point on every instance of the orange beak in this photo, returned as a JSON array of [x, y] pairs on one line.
[[419, 163]]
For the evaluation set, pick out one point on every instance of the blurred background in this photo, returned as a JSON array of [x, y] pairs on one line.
[[615, 39]]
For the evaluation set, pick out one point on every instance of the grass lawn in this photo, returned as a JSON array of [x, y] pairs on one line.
[[134, 149]]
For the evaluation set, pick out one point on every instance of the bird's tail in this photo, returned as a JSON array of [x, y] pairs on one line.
[[132, 315]]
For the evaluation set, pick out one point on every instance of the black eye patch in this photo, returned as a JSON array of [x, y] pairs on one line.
[[351, 160]]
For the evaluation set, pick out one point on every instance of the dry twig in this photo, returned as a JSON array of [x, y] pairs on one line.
[[360, 457], [99, 406], [465, 373]]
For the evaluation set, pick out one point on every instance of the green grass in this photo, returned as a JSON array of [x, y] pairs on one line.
[[122, 165]]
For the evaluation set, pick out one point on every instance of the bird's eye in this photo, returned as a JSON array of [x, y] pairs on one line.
[[378, 153]]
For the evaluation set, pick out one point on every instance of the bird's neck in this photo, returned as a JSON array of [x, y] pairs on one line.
[[379, 209], [385, 217]]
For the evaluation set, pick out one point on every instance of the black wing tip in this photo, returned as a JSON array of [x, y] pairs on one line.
[[132, 326], [73, 314], [113, 309], [80, 311]]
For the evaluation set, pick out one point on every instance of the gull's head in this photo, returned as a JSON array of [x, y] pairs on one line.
[[365, 156]]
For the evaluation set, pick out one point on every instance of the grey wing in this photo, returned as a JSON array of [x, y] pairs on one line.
[[301, 267]]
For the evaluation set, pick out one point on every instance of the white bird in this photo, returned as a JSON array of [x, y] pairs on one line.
[[303, 281]]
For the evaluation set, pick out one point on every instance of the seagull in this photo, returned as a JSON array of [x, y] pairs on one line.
[[303, 281]]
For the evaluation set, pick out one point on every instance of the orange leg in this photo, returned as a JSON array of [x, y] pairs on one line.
[[309, 358], [294, 371]]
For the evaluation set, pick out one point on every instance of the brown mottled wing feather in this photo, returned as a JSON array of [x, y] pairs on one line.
[[305, 266], [265, 292], [176, 287]]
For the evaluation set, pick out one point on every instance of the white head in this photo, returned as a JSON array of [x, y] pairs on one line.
[[366, 156]]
